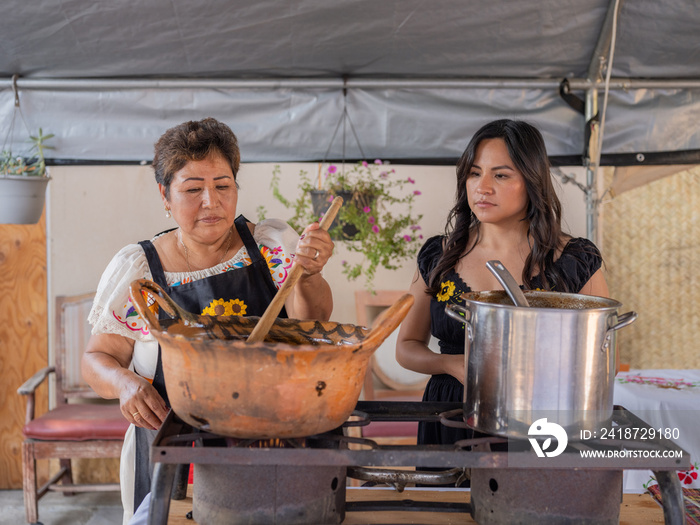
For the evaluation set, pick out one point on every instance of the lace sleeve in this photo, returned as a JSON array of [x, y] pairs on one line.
[[112, 311]]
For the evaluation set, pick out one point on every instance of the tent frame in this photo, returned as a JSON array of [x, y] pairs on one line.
[[588, 106]]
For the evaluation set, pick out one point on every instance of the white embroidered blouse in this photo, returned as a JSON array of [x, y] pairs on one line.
[[113, 313]]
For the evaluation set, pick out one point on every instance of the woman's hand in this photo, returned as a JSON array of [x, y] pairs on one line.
[[105, 367], [312, 297], [412, 351], [314, 248], [140, 403]]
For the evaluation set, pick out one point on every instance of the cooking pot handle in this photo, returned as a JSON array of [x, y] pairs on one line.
[[387, 321], [164, 301], [454, 311], [458, 312], [622, 321]]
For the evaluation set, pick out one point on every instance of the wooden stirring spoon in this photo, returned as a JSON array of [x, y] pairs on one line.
[[275, 307]]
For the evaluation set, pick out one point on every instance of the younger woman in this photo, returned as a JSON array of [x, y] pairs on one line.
[[507, 210]]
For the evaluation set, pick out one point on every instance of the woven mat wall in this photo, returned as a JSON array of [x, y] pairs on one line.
[[651, 249]]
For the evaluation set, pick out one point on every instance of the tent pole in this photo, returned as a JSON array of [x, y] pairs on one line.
[[599, 61], [591, 163], [86, 84]]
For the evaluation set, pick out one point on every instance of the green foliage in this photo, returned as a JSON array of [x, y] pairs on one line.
[[31, 165], [380, 210]]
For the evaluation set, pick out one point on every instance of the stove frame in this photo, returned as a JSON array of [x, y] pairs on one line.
[[172, 448]]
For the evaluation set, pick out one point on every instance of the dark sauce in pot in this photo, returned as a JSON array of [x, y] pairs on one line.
[[537, 299]]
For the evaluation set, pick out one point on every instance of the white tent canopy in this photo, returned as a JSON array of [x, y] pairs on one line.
[[417, 78]]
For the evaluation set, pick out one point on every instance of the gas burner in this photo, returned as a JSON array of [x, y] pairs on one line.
[[236, 480]]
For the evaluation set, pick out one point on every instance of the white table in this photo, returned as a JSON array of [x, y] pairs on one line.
[[666, 399]]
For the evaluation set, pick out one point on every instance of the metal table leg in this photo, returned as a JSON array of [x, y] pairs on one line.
[[161, 489], [671, 496], [182, 475]]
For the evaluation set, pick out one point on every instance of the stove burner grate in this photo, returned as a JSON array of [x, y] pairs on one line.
[[174, 445]]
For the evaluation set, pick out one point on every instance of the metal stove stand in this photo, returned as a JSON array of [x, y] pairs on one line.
[[173, 447]]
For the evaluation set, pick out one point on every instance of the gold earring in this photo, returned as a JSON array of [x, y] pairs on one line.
[[167, 213]]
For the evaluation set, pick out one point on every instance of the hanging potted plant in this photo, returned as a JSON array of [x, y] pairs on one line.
[[376, 220], [23, 181]]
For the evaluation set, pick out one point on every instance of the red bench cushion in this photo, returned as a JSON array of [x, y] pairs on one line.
[[390, 429], [378, 429], [78, 422]]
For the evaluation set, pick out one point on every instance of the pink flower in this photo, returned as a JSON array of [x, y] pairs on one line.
[[410, 180], [364, 163], [415, 227], [375, 228], [366, 209], [371, 220], [332, 169], [417, 192], [344, 263], [407, 238], [330, 198], [377, 161]]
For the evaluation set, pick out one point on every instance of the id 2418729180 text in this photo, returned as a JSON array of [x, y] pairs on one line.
[[631, 433]]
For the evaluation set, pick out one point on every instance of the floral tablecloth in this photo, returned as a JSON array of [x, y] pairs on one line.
[[691, 498], [663, 399]]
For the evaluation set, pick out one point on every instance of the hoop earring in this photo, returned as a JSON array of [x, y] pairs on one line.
[[167, 213]]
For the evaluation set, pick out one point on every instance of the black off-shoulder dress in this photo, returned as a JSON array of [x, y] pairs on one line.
[[579, 260]]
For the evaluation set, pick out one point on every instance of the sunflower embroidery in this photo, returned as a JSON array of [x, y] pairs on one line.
[[447, 290], [221, 307]]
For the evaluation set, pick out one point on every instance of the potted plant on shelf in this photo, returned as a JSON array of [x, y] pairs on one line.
[[23, 181], [376, 220]]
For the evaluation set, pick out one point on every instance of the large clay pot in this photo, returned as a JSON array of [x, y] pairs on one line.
[[303, 379]]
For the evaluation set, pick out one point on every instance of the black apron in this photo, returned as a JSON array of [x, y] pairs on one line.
[[253, 285]]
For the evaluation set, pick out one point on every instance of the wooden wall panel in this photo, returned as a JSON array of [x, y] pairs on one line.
[[23, 336], [651, 247]]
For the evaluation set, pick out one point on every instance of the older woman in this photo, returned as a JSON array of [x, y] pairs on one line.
[[212, 263]]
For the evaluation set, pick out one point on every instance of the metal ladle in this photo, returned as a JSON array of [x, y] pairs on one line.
[[508, 282]]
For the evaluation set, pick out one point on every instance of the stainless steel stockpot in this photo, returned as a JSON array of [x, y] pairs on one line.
[[555, 359]]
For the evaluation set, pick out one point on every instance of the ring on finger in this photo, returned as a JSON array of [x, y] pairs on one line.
[[316, 255], [135, 415]]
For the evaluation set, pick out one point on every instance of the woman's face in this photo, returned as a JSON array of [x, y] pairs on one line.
[[203, 198], [496, 189]]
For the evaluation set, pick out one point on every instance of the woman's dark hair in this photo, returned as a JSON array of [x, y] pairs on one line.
[[529, 155], [193, 140]]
